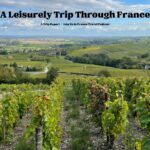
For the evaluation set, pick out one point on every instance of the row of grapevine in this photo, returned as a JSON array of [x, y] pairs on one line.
[[22, 87], [111, 101], [47, 117], [12, 108], [44, 102]]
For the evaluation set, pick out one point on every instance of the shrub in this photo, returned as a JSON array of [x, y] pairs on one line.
[[104, 73], [52, 74]]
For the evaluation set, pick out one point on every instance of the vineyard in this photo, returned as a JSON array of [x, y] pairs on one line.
[[86, 113], [74, 93], [42, 104], [117, 107]]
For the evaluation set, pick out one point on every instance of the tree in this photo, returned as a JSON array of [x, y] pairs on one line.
[[52, 74], [104, 73], [48, 60], [3, 52], [15, 65]]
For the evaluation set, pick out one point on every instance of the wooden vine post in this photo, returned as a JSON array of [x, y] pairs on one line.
[[39, 129], [39, 138]]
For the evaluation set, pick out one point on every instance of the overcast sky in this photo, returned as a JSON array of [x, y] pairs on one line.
[[118, 27]]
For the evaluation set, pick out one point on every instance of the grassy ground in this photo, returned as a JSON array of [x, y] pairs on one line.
[[91, 49], [76, 129], [116, 50], [21, 60], [68, 66]]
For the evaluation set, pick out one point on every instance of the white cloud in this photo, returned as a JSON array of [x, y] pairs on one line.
[[134, 26], [3, 27], [21, 23], [25, 23], [97, 5], [86, 5]]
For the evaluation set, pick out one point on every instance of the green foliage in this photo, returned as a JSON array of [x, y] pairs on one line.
[[80, 89], [3, 52], [24, 146], [104, 73], [115, 86], [13, 107], [80, 138], [74, 114], [105, 60], [143, 111], [7, 74], [145, 55], [114, 119], [24, 99], [145, 144], [28, 69], [129, 87], [1, 121], [9, 117], [47, 113], [52, 74], [113, 113]]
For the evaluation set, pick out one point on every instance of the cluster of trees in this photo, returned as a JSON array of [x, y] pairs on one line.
[[3, 52], [6, 73], [104, 73], [14, 65], [17, 68], [37, 58], [28, 69], [105, 60], [12, 75], [146, 55]]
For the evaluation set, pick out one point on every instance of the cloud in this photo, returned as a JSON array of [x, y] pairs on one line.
[[19, 23], [134, 26], [97, 5], [33, 25], [12, 3], [24, 23]]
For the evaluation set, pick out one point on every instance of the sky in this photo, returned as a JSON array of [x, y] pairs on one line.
[[32, 27]]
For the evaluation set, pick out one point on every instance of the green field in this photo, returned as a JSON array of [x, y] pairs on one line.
[[21, 60], [116, 50], [68, 66], [89, 50], [127, 48]]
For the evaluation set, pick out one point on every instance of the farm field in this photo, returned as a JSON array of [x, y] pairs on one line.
[[69, 67], [52, 97], [115, 50]]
